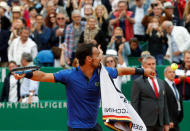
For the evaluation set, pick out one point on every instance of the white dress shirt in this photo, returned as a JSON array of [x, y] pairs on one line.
[[13, 90], [171, 86], [156, 82], [138, 27]]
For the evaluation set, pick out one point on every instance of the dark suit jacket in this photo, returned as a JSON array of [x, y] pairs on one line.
[[6, 89], [146, 104], [174, 115]]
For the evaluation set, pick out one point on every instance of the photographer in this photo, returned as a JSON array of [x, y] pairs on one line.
[[157, 40], [117, 40]]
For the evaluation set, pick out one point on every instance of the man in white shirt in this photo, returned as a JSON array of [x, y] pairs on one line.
[[178, 41], [20, 45], [174, 100], [29, 88]]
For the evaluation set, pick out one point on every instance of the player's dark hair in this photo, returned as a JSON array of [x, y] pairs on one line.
[[83, 51]]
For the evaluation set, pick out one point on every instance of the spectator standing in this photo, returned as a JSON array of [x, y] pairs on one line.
[[58, 33], [92, 34], [123, 18], [178, 41], [11, 86], [117, 40], [169, 13], [4, 37], [174, 100], [20, 45], [41, 34], [72, 35], [50, 20], [5, 22], [139, 10], [101, 14], [16, 13], [157, 40], [183, 81], [32, 17], [16, 27], [88, 11]]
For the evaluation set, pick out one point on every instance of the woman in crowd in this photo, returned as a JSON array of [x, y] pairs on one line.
[[157, 40], [112, 61], [101, 14], [92, 34], [33, 13], [50, 20]]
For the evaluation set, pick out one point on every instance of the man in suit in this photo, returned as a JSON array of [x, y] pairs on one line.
[[149, 100], [174, 100], [11, 86]]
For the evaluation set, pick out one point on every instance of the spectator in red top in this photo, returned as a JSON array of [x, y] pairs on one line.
[[183, 81], [122, 18]]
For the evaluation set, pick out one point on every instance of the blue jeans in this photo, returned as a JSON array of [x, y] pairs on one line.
[[159, 59]]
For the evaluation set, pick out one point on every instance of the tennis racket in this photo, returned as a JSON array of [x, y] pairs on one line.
[[24, 70]]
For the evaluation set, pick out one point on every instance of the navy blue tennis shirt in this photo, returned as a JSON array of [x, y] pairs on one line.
[[83, 96]]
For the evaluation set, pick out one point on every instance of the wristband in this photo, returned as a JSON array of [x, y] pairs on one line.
[[139, 71], [29, 74]]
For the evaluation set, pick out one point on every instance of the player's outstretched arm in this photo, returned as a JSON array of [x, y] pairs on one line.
[[138, 71], [37, 76]]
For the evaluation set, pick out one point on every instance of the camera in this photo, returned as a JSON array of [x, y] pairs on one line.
[[154, 4], [118, 41]]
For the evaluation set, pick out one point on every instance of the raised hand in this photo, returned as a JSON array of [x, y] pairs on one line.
[[149, 72]]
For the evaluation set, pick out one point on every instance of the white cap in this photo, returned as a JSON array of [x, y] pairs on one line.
[[111, 52], [168, 5], [16, 9], [4, 5]]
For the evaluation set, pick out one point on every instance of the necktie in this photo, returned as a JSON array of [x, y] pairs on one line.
[[175, 89], [155, 88]]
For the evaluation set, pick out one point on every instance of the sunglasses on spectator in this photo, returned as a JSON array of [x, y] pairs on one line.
[[60, 18], [52, 16], [109, 61], [154, 4]]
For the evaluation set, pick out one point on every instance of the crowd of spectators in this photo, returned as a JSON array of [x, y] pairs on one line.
[[45, 24]]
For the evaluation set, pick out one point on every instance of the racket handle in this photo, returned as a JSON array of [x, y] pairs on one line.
[[22, 72], [29, 74]]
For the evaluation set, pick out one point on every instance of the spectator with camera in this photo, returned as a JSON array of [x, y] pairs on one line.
[[157, 40], [117, 40]]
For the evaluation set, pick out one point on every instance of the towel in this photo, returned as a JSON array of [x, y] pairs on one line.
[[118, 113]]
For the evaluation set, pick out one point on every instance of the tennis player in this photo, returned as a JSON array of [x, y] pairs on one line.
[[83, 87]]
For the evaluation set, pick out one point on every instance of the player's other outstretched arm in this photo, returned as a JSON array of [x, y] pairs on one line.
[[37, 76], [138, 71], [125, 71]]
